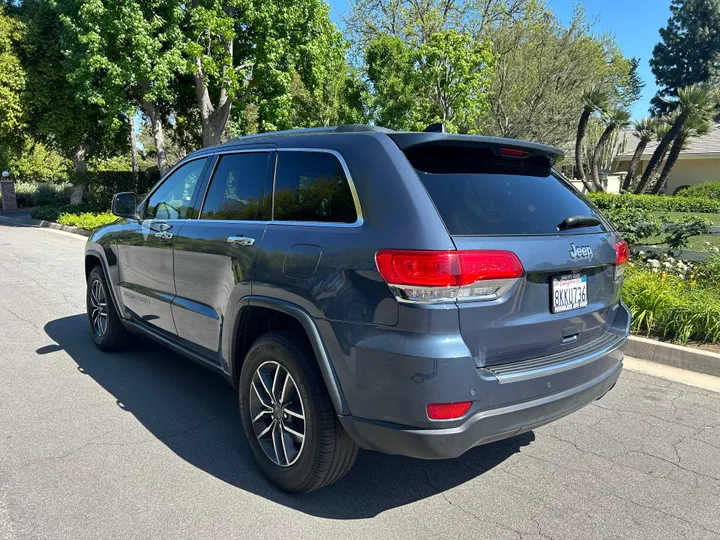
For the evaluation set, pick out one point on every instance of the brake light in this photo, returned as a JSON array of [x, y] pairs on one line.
[[513, 152], [622, 257], [447, 275], [447, 411]]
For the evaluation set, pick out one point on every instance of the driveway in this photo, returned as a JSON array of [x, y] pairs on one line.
[[146, 444]]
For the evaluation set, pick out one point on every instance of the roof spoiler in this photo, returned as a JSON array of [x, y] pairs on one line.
[[506, 148]]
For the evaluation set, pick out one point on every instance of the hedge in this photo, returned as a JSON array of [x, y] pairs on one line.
[[53, 212], [86, 220], [711, 190], [655, 203]]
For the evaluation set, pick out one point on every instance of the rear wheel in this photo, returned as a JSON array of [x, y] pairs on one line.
[[107, 330], [288, 418]]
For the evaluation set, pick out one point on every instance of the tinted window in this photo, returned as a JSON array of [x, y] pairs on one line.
[[311, 186], [174, 198], [236, 189], [492, 204]]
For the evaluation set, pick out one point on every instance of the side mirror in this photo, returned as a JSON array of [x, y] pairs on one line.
[[124, 205]]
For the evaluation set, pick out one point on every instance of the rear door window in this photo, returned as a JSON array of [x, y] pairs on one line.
[[312, 186], [237, 187]]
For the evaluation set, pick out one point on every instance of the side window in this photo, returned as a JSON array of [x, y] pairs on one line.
[[174, 198], [236, 188], [311, 186]]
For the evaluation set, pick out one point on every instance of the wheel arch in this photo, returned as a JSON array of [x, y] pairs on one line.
[[256, 315]]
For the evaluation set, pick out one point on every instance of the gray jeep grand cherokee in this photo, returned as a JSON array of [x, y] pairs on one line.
[[411, 293]]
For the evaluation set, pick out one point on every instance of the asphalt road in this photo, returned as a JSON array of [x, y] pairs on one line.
[[145, 444]]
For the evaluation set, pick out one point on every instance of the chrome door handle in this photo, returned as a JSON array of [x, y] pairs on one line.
[[164, 235], [240, 241]]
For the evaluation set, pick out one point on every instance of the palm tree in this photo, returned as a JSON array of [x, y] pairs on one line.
[[696, 99], [617, 118], [595, 99], [694, 127], [645, 131]]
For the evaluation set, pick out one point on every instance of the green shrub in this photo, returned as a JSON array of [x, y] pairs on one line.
[[710, 190], [86, 220], [52, 212], [25, 193], [104, 184], [655, 203], [672, 308], [44, 195]]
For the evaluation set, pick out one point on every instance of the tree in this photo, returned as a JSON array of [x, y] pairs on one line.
[[644, 130], [55, 113], [689, 50], [444, 80], [124, 55], [12, 76], [595, 99], [245, 52], [694, 101], [617, 119], [634, 85], [696, 126]]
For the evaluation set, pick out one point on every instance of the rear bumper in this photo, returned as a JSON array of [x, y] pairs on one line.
[[482, 427]]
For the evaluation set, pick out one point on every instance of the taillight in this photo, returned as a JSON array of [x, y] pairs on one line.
[[447, 411], [622, 257], [438, 276]]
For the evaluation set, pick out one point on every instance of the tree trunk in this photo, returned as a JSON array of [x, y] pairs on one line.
[[597, 156], [156, 126], [79, 153], [669, 164], [133, 147], [213, 119], [660, 151], [582, 126], [634, 163]]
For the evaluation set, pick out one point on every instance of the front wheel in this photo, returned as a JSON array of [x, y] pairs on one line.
[[288, 417], [108, 332]]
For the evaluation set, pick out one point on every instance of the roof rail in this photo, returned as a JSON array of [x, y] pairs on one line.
[[343, 128]]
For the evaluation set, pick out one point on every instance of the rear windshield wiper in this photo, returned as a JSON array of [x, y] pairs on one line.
[[576, 222]]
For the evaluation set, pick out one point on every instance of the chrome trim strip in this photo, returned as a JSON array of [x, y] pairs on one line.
[[557, 368]]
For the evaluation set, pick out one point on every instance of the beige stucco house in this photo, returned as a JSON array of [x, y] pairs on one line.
[[698, 163]]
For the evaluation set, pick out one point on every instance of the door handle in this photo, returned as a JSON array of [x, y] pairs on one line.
[[240, 241], [164, 235]]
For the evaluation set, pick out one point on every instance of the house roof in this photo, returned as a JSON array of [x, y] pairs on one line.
[[697, 146]]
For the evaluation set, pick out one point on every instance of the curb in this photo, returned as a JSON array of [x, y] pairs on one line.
[[47, 225], [673, 355], [58, 227]]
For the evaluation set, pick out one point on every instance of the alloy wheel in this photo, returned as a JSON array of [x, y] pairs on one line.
[[277, 413], [98, 313]]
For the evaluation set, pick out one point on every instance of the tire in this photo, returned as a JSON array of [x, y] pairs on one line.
[[112, 336], [326, 452]]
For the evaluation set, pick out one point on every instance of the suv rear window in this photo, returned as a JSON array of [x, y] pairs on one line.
[[479, 193]]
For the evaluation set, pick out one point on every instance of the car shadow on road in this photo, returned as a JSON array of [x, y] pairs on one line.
[[194, 413]]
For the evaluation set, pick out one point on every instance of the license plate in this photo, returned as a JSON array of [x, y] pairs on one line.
[[569, 292]]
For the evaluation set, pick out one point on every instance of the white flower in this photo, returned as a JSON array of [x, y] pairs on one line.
[[667, 264], [654, 263]]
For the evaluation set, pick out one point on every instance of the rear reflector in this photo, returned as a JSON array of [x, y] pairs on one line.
[[446, 268], [447, 411]]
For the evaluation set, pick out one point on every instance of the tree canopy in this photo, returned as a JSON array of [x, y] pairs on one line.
[[689, 49]]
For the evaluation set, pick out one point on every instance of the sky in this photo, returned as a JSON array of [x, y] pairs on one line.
[[634, 23]]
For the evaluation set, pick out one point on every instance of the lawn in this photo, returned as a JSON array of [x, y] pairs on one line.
[[714, 218]]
